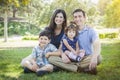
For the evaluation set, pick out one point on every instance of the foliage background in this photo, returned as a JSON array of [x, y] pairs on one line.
[[36, 14]]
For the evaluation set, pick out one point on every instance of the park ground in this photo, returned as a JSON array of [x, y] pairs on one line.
[[12, 52]]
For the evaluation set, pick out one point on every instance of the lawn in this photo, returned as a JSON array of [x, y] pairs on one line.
[[109, 69]]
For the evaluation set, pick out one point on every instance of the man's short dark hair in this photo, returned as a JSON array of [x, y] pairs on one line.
[[79, 10]]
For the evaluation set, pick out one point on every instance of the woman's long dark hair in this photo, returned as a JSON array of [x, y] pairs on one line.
[[52, 25]]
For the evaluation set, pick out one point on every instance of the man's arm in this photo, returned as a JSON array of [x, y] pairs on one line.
[[96, 53]]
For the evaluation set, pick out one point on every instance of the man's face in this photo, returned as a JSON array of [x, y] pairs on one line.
[[79, 18], [43, 41]]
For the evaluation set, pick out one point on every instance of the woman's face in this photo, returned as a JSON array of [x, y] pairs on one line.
[[59, 19]]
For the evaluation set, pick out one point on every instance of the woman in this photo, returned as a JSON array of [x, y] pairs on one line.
[[57, 24]]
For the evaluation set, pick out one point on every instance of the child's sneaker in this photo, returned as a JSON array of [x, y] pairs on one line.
[[26, 70], [78, 58], [42, 72], [82, 54]]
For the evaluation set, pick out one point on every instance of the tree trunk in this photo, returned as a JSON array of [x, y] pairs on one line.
[[14, 12], [5, 26]]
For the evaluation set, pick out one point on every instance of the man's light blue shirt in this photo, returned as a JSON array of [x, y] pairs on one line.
[[85, 39]]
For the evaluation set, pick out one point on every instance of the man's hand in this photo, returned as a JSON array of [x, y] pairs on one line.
[[93, 63]]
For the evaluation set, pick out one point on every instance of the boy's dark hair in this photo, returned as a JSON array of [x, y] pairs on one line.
[[79, 10], [45, 33], [73, 26]]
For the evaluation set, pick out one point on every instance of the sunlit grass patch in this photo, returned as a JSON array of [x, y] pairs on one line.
[[109, 69]]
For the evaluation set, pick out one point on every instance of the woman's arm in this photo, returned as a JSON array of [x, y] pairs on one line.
[[55, 53]]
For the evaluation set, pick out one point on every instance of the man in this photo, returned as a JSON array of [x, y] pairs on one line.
[[89, 41]]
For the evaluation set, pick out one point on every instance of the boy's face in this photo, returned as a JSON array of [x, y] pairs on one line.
[[43, 41], [71, 34]]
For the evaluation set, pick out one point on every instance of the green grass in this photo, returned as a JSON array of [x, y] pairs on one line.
[[109, 69]]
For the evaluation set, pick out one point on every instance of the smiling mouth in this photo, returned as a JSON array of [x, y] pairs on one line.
[[58, 21]]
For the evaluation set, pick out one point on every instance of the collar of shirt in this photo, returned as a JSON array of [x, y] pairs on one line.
[[44, 47], [84, 29]]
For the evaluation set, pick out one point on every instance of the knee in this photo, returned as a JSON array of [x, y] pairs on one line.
[[24, 63], [54, 59], [51, 59], [25, 60], [99, 59], [49, 67]]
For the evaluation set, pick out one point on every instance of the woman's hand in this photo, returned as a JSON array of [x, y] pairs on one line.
[[48, 55]]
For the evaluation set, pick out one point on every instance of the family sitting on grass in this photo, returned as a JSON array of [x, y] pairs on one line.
[[75, 47]]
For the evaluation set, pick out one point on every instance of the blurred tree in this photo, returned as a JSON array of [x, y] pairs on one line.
[[70, 5], [112, 15], [6, 6], [39, 12], [102, 4]]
